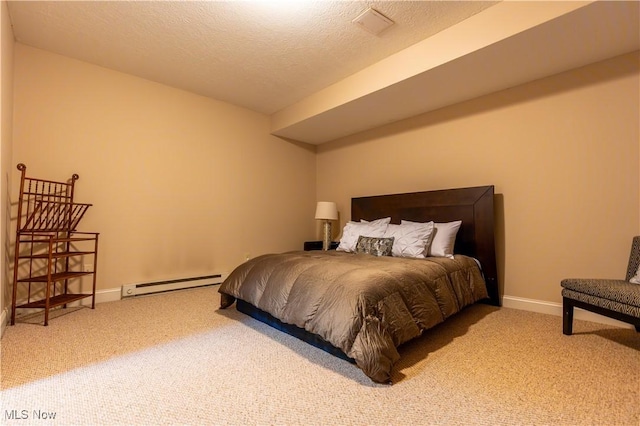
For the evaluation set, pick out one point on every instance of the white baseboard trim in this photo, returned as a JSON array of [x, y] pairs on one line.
[[551, 308], [513, 302], [3, 321], [102, 296]]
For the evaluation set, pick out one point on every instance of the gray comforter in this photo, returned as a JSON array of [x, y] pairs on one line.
[[364, 305]]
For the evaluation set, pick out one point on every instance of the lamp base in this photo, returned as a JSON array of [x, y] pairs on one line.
[[326, 238]]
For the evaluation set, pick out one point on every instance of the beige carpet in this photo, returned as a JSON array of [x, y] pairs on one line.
[[176, 359]]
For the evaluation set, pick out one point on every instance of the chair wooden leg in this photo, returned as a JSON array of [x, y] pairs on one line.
[[567, 317]]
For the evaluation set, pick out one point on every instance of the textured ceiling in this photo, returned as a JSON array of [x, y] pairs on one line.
[[262, 55], [317, 75]]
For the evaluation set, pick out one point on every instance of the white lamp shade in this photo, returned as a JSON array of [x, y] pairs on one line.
[[326, 210]]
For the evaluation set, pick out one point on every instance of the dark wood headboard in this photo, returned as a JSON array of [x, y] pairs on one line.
[[474, 206]]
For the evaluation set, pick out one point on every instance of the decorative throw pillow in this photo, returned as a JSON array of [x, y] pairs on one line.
[[444, 238], [410, 239], [374, 246], [352, 230], [636, 278]]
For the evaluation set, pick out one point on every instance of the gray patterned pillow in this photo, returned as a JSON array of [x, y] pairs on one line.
[[374, 246]]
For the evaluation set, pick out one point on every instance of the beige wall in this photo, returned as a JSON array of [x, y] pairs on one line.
[[6, 134], [181, 184], [562, 152]]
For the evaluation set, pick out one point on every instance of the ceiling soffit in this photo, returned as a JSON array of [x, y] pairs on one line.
[[532, 40]]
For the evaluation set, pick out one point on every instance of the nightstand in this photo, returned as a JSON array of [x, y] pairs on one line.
[[317, 245]]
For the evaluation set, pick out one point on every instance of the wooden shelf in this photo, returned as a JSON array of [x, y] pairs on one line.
[[59, 300], [47, 240], [58, 276], [57, 255]]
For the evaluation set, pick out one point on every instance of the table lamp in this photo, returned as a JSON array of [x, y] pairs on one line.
[[326, 211]]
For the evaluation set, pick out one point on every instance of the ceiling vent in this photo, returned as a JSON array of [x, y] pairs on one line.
[[373, 21]]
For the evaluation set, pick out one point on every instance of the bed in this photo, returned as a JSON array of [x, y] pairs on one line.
[[361, 307]]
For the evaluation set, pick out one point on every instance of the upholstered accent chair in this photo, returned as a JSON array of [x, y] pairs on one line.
[[618, 299]]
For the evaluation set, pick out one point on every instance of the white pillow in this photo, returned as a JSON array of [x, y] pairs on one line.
[[384, 220], [410, 239], [353, 230], [444, 238], [636, 278]]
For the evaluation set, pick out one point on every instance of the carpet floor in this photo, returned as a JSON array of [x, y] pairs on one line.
[[176, 358]]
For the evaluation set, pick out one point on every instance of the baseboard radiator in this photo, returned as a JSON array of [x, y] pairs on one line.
[[131, 290]]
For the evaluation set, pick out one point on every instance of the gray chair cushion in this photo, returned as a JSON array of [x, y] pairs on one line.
[[611, 305], [619, 299], [617, 290], [616, 295]]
